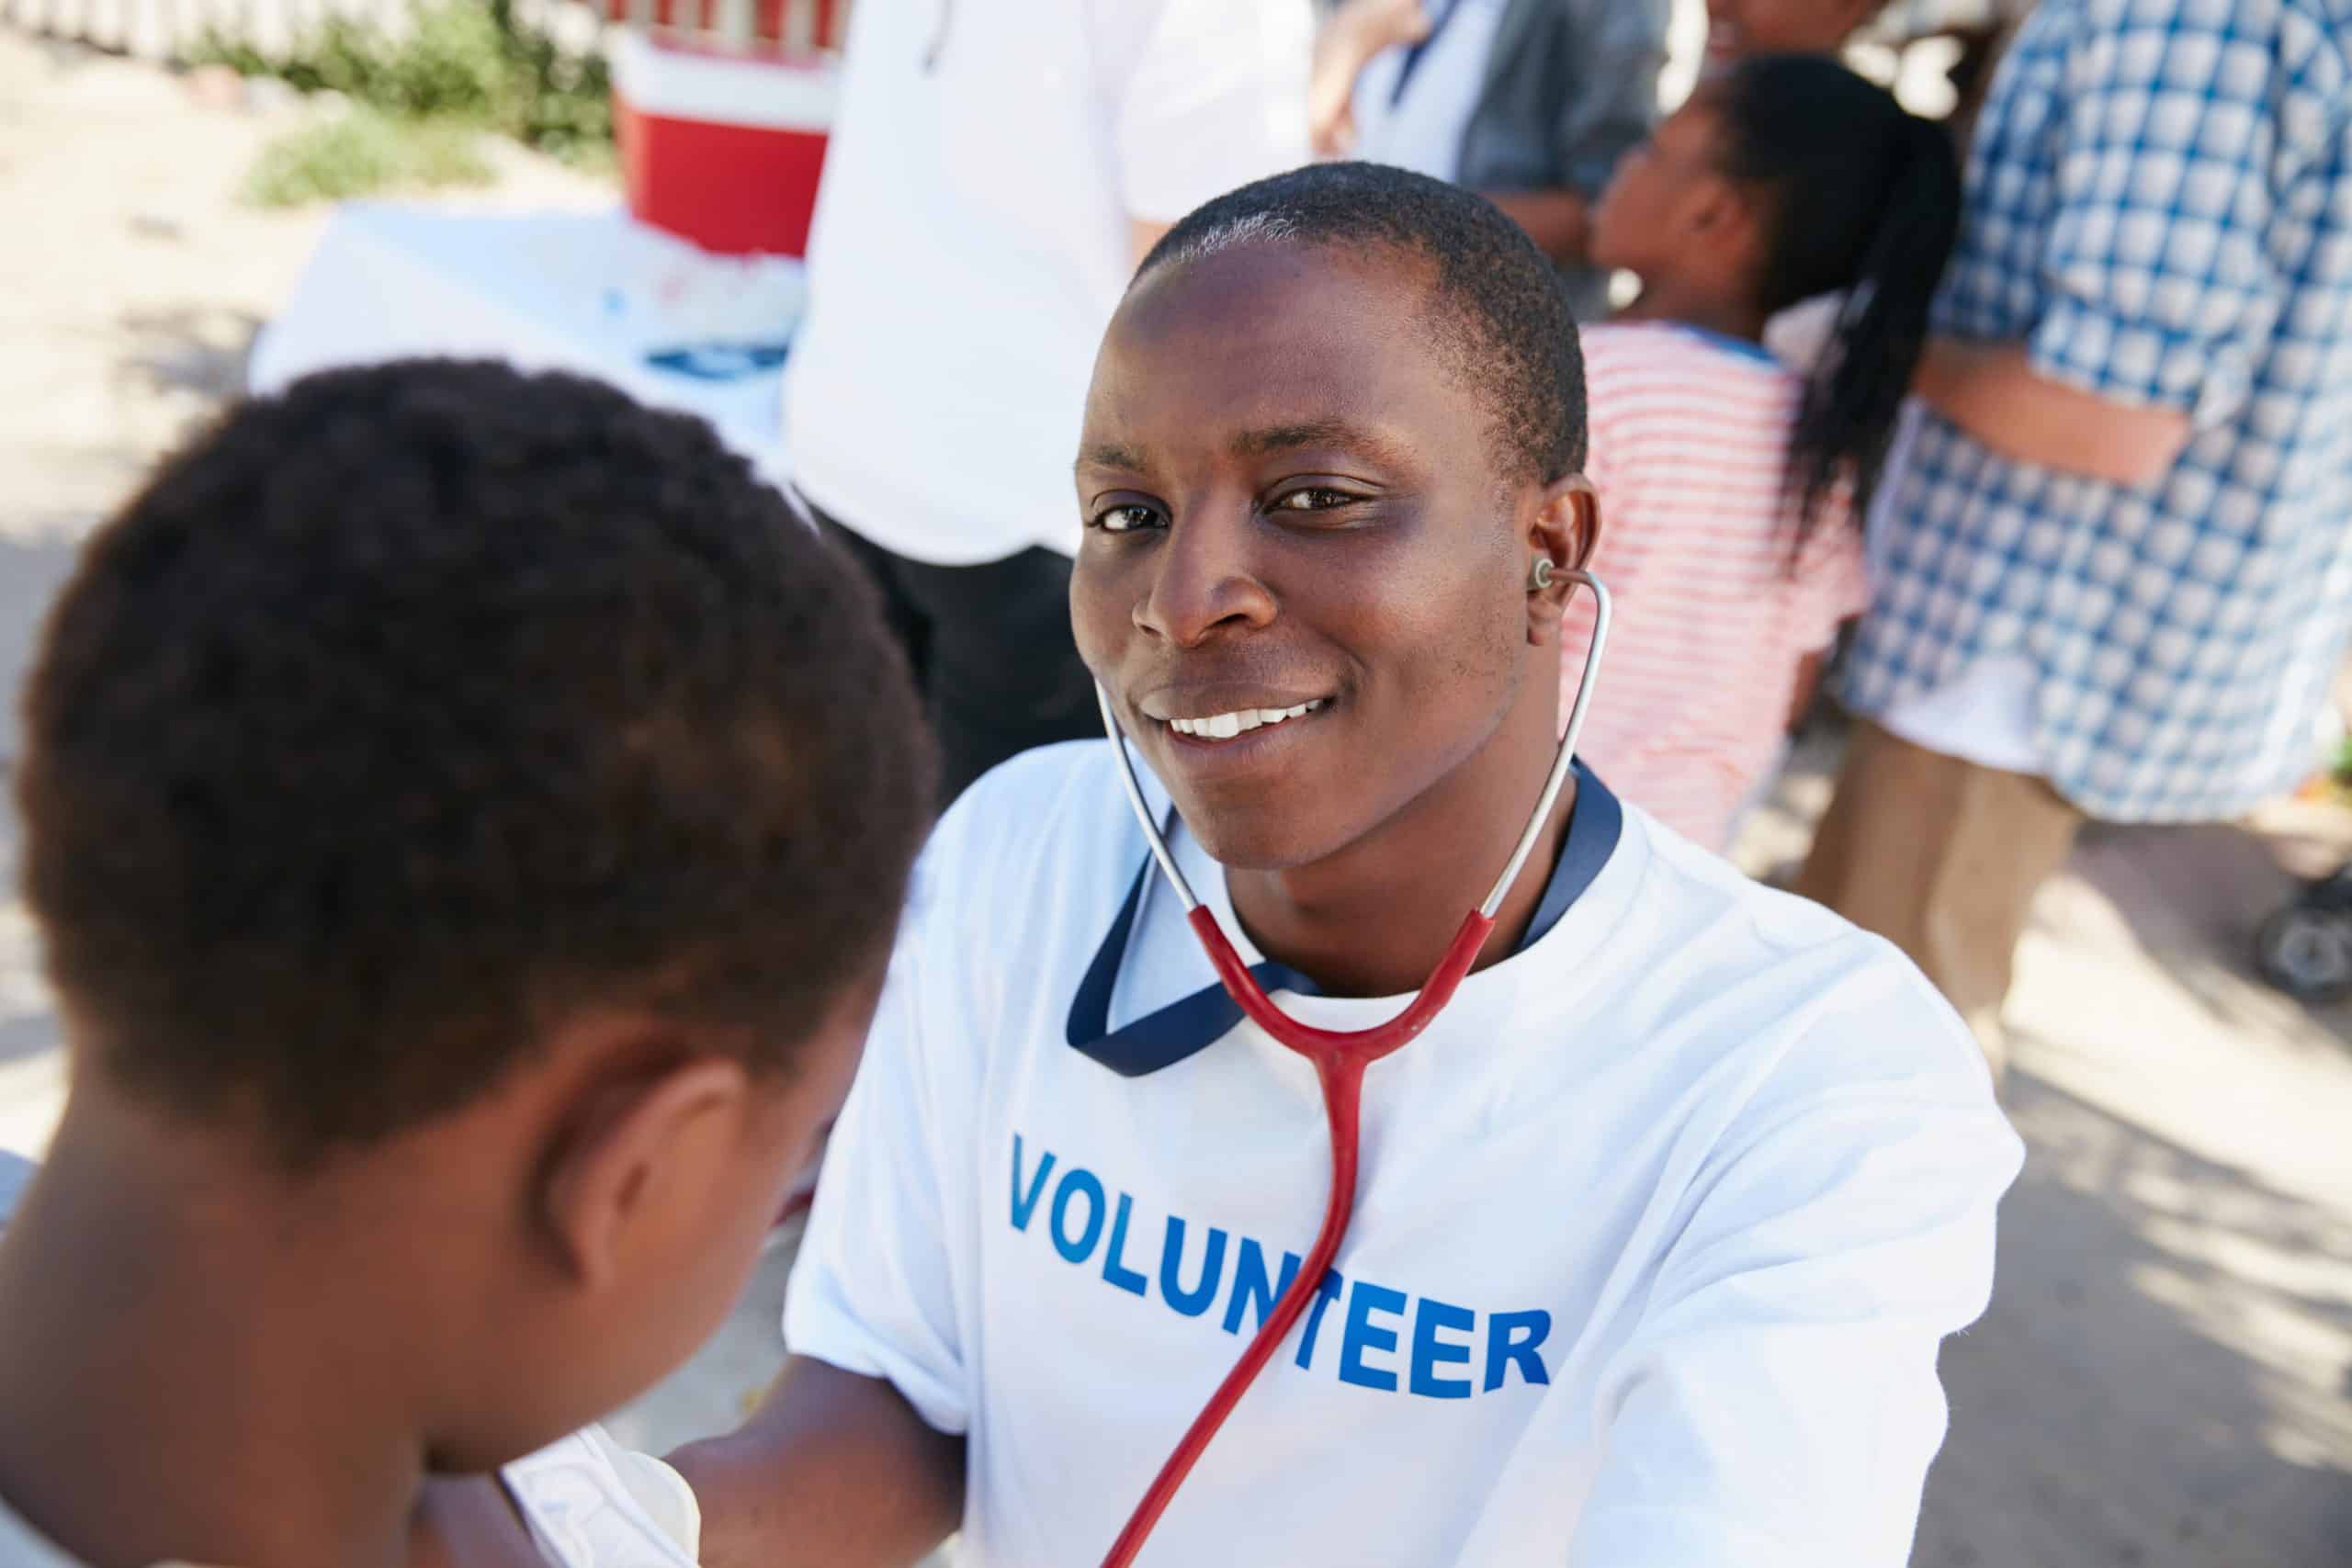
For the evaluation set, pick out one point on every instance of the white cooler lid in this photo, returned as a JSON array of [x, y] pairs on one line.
[[762, 93]]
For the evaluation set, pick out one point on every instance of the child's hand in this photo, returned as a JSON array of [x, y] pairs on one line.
[[1360, 30]]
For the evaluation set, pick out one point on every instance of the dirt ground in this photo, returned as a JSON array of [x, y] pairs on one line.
[[2164, 1380]]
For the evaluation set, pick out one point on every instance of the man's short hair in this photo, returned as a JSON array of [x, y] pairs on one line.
[[406, 713], [1497, 316]]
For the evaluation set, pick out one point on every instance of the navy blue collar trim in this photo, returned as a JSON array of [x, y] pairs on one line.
[[1164, 1038]]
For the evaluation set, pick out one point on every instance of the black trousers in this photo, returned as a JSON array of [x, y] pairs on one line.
[[991, 650]]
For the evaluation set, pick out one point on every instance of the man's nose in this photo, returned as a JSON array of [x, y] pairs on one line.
[[1205, 578]]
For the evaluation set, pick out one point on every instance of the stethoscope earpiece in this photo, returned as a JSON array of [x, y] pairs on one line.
[[1539, 576]]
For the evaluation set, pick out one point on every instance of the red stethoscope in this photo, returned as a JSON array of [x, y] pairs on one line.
[[1340, 1058]]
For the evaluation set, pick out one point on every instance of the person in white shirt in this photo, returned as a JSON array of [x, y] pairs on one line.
[[465, 814], [1662, 1221], [995, 170]]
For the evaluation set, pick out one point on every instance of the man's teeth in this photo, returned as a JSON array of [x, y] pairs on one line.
[[1226, 725]]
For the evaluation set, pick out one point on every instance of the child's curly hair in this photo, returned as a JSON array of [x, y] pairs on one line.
[[409, 711]]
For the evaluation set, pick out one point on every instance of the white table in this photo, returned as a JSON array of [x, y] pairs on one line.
[[596, 293]]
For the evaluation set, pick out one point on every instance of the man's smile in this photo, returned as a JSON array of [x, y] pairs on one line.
[[1231, 720], [1226, 725]]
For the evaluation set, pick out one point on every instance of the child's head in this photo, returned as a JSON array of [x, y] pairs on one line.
[[467, 815], [1785, 178], [1738, 30], [1339, 414]]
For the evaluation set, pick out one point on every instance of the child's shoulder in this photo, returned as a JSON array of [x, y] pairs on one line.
[[1654, 390]]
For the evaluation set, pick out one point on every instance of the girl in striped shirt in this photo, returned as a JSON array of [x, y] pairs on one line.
[[1731, 482]]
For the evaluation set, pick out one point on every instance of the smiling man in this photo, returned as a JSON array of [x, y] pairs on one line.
[[1661, 1222]]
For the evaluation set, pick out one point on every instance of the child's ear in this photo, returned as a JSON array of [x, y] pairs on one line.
[[1713, 207], [1564, 531], [637, 1159]]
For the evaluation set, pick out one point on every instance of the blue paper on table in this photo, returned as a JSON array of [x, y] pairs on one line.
[[720, 361]]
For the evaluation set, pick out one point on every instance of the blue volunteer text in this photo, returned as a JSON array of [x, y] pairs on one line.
[[1387, 1340]]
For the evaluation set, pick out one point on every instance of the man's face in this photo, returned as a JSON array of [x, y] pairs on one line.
[[1302, 578]]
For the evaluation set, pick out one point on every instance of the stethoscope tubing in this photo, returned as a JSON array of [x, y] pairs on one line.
[[1339, 1057]]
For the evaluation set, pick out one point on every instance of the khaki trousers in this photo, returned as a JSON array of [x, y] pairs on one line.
[[1942, 858]]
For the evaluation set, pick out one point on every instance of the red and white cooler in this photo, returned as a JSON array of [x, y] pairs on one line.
[[724, 146]]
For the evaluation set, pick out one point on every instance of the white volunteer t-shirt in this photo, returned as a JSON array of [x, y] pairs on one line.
[[1660, 1223], [971, 240]]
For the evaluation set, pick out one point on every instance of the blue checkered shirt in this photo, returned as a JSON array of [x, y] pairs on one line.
[[2160, 207]]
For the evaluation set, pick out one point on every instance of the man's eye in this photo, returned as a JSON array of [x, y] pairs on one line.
[[1124, 519], [1312, 499]]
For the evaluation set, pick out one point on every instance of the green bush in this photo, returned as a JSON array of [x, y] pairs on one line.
[[559, 103], [364, 152], [456, 59]]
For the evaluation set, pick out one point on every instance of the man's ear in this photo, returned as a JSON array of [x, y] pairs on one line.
[[639, 1151], [1566, 528]]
